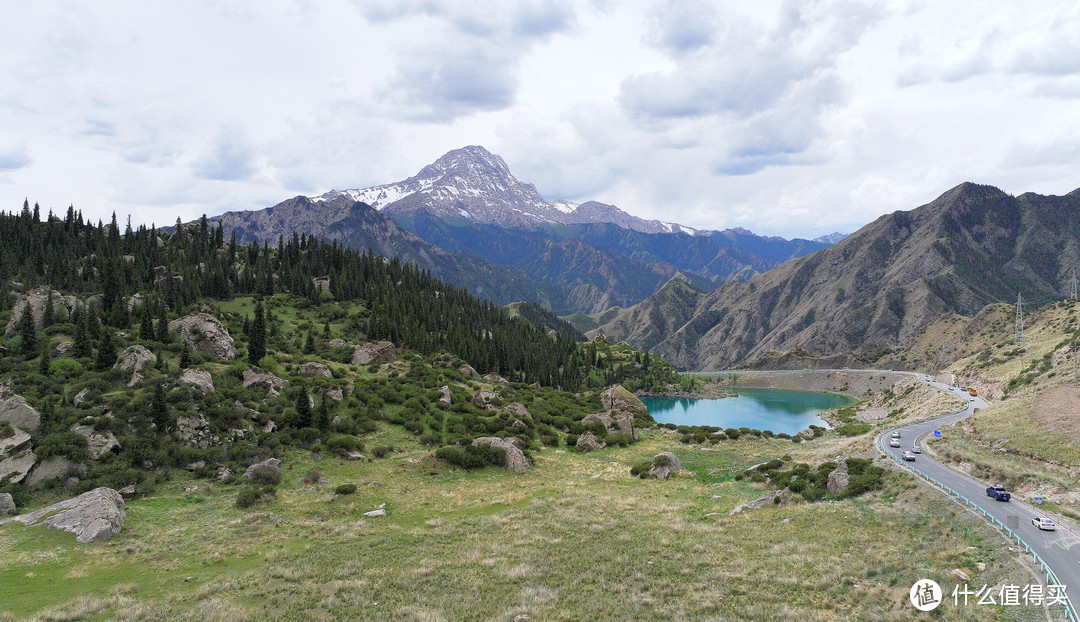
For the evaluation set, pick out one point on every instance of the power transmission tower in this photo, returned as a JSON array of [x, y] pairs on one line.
[[1018, 336], [1074, 286]]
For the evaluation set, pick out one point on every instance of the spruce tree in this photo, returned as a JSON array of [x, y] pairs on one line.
[[159, 409], [322, 417], [161, 331], [29, 332], [303, 409], [309, 343], [146, 326], [257, 340], [48, 318], [46, 361], [106, 356], [82, 346]]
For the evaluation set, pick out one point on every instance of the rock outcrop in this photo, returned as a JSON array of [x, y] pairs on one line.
[[444, 394], [37, 299], [838, 480], [271, 467], [468, 371], [7, 504], [313, 370], [515, 458], [381, 352], [615, 422], [337, 343], [15, 467], [263, 380], [198, 377], [53, 467], [519, 410], [13, 444], [588, 442], [664, 464], [779, 497], [482, 399], [15, 410], [618, 398], [96, 443], [194, 430], [134, 358], [93, 516], [495, 379], [204, 334]]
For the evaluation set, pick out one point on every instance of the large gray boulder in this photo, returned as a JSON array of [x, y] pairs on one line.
[[313, 370], [54, 467], [194, 430], [615, 422], [482, 399], [588, 442], [270, 466], [444, 394], [15, 468], [381, 352], [13, 444], [515, 458], [204, 334], [198, 377], [618, 398], [519, 410], [93, 516], [664, 464], [838, 480], [779, 497], [96, 443], [7, 504], [15, 410], [134, 358], [263, 380], [37, 299]]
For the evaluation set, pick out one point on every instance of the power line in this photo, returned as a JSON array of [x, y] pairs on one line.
[[1018, 335]]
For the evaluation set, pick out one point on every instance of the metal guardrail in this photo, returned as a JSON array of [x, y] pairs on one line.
[[1050, 577]]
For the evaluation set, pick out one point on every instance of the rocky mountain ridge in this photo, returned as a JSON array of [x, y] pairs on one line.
[[474, 185], [874, 291], [469, 221]]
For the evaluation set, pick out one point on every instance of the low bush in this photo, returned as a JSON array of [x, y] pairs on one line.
[[641, 469], [345, 489], [342, 444], [248, 497], [472, 456]]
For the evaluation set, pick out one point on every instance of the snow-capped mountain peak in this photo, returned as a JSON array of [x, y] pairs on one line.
[[474, 184]]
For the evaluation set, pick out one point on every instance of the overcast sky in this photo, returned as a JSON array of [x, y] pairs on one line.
[[786, 118]]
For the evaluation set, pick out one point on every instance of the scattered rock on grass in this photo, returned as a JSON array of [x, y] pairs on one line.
[[93, 516]]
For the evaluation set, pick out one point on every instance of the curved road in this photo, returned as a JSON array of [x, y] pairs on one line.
[[1059, 549]]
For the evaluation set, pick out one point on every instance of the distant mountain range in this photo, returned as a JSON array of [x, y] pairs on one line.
[[867, 297], [469, 221]]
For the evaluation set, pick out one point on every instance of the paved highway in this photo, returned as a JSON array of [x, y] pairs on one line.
[[1060, 549]]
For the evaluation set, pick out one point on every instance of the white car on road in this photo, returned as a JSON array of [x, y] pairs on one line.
[[1044, 522]]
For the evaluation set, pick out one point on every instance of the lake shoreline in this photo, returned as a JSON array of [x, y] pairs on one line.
[[776, 410]]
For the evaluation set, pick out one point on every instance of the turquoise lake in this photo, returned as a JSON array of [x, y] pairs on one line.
[[761, 409]]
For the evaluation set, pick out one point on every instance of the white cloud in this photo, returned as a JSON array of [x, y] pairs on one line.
[[230, 156], [784, 117], [14, 157]]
